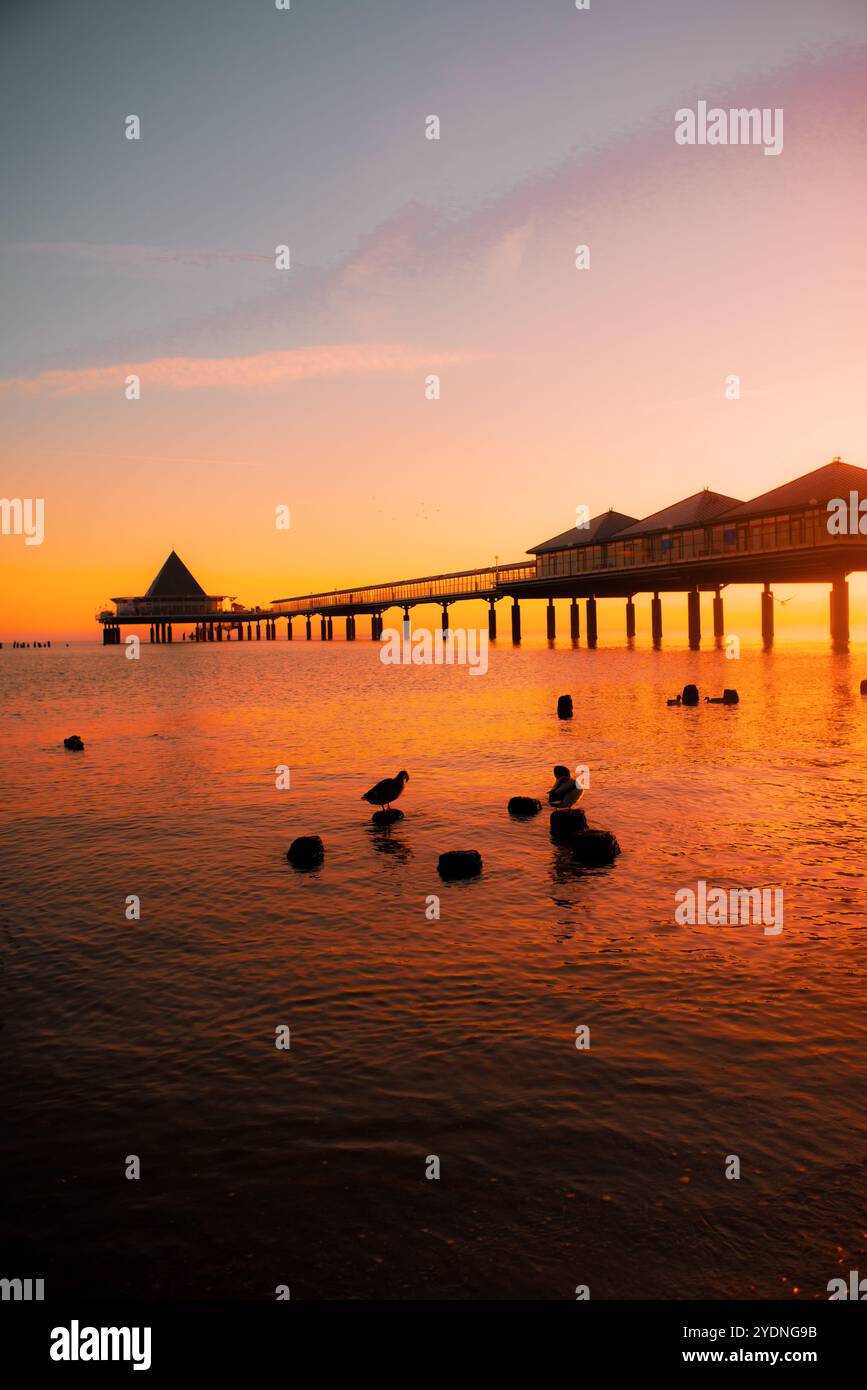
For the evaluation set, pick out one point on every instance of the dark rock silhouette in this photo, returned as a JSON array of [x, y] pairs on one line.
[[595, 847], [74, 742], [864, 687], [728, 697], [524, 806], [386, 817], [565, 825], [306, 852], [460, 863], [689, 695], [564, 707]]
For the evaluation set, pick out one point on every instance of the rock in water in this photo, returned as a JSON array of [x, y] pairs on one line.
[[689, 695], [460, 863], [74, 742], [387, 817], [306, 852], [595, 847], [864, 687], [564, 707], [524, 806], [731, 697], [565, 825]]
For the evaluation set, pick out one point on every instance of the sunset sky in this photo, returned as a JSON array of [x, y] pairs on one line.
[[306, 387]]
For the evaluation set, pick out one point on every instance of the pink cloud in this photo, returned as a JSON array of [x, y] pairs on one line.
[[260, 370]]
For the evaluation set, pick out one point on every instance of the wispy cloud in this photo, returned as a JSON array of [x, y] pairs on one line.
[[130, 254], [263, 369]]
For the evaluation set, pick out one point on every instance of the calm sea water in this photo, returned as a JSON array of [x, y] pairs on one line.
[[413, 1037]]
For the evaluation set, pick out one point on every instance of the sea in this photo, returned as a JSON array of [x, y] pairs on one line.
[[225, 1076]]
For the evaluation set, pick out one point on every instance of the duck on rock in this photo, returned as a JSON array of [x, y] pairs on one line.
[[386, 791], [565, 791]]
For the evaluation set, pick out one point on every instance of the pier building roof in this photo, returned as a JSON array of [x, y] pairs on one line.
[[696, 510], [834, 479], [599, 528]]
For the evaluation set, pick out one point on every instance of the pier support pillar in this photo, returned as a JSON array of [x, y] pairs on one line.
[[105, 635], [152, 632], [693, 613], [331, 629], [219, 632], [258, 632], [249, 632], [840, 612], [374, 626], [406, 623], [767, 617], [445, 619], [656, 620], [169, 633], [551, 620], [592, 627], [630, 618], [492, 620], [516, 621], [349, 627], [574, 620], [719, 622], [322, 627], [289, 632]]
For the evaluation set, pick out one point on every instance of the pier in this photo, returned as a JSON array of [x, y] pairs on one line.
[[702, 544]]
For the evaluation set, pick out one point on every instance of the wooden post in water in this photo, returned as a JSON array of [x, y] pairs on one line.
[[574, 619], [656, 620], [630, 617], [551, 620], [719, 624], [492, 620], [592, 627], [767, 617], [840, 613], [693, 612], [516, 622]]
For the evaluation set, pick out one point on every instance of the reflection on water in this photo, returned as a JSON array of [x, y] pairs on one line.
[[413, 1036]]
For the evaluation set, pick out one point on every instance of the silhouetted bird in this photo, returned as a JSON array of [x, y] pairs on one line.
[[386, 791], [565, 791]]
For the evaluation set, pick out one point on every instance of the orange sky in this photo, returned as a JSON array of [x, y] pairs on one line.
[[559, 387]]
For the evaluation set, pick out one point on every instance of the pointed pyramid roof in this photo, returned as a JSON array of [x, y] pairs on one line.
[[696, 510], [175, 581], [834, 479]]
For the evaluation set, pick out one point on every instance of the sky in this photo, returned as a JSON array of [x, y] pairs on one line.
[[305, 387]]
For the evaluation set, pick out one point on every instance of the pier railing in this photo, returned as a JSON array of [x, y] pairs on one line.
[[435, 588]]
